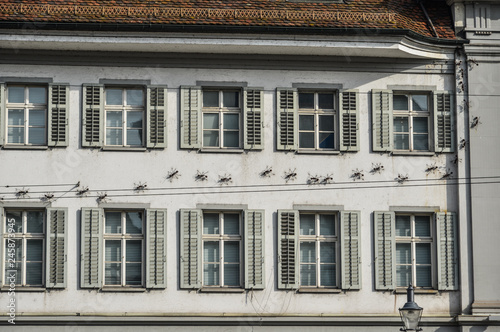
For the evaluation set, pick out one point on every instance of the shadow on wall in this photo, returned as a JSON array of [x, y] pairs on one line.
[[478, 329]]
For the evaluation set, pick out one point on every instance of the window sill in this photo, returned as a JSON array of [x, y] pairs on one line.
[[23, 289], [416, 291], [221, 290], [118, 148], [320, 290], [123, 289], [26, 147], [334, 152], [207, 150], [411, 153]]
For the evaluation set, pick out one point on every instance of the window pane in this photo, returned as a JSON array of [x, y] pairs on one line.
[[231, 139], [211, 274], [325, 141], [16, 94], [423, 255], [420, 103], [36, 135], [210, 223], [113, 251], [327, 224], [114, 137], [403, 226], [16, 118], [306, 122], [306, 100], [114, 97], [328, 275], [327, 254], [307, 224], [421, 142], [37, 118], [37, 95], [34, 250], [210, 138], [134, 137], [231, 223], [306, 140], [231, 121], [422, 226], [112, 275], [211, 251], [15, 253], [210, 99], [401, 124], [135, 97], [424, 277], [325, 101], [34, 273], [307, 275], [307, 252], [134, 119], [420, 125], [231, 252], [403, 253], [133, 251], [15, 135], [114, 119], [34, 221], [210, 121], [401, 141], [133, 274], [232, 275], [113, 222], [15, 218], [403, 276], [230, 99], [400, 102], [133, 222], [326, 122]]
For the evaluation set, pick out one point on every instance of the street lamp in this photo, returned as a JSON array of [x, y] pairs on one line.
[[410, 313]]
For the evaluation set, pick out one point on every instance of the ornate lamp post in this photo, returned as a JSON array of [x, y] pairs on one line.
[[410, 313]]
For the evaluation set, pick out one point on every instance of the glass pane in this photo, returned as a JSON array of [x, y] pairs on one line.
[[210, 99], [114, 137], [400, 102], [326, 122], [307, 252], [328, 275], [133, 251], [134, 119], [420, 125], [210, 121], [133, 222], [135, 97], [34, 250], [113, 251], [306, 122], [16, 94], [327, 253], [403, 253], [114, 119], [423, 255], [420, 103], [34, 221], [422, 226], [306, 140], [36, 135], [403, 276], [210, 223], [230, 99], [134, 137], [113, 222], [307, 275], [231, 223], [231, 139], [307, 224], [401, 124], [114, 97], [13, 250], [231, 252], [15, 135], [211, 251], [326, 141], [16, 118], [421, 142], [325, 101], [403, 226], [232, 275], [210, 138], [133, 274], [14, 219], [112, 275], [306, 100], [231, 121], [37, 95], [327, 224], [210, 274], [34, 273], [424, 277], [37, 118], [401, 141]]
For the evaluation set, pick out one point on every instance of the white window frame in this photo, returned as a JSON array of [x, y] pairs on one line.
[[411, 115]]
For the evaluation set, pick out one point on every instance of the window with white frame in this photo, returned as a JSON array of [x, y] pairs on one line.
[[221, 118], [411, 121], [317, 120]]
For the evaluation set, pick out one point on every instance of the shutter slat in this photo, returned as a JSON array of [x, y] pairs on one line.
[[156, 110], [254, 249], [288, 262], [351, 251], [91, 250], [58, 115], [253, 117], [190, 117], [349, 120], [156, 250], [93, 115], [385, 250], [55, 276], [446, 225], [287, 130], [444, 131], [190, 249], [382, 120]]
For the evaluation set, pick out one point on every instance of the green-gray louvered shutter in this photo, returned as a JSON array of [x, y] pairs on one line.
[[3, 114], [156, 248], [56, 250], [191, 126], [385, 250], [382, 122], [93, 115], [91, 248], [156, 122], [2, 244], [350, 246], [254, 249], [190, 243], [444, 122], [253, 99], [349, 120], [287, 119], [288, 256], [447, 252], [58, 112]]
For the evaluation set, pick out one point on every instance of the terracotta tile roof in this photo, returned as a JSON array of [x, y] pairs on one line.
[[361, 14]]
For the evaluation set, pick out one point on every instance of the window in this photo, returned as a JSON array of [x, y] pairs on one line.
[[34, 244], [126, 117], [221, 119], [36, 115], [222, 249], [318, 249], [412, 121], [317, 120], [123, 248], [415, 248]]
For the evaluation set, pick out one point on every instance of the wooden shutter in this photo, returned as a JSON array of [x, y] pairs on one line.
[[444, 122], [3, 115], [349, 120], [385, 250], [447, 252], [190, 242], [156, 117], [254, 249], [156, 248], [350, 246], [56, 248], [382, 122], [287, 119], [253, 99], [58, 112], [93, 115], [288, 256], [191, 125], [91, 248]]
